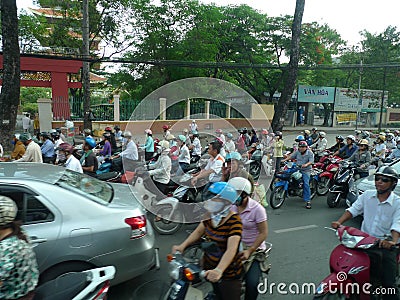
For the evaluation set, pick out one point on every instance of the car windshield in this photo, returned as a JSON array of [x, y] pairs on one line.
[[90, 187]]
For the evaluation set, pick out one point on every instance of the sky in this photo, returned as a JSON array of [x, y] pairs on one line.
[[347, 17]]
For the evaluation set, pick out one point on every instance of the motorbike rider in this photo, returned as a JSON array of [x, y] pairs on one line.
[[66, 155], [233, 167], [19, 148], [224, 228], [188, 142], [390, 141], [105, 152], [241, 142], [379, 149], [304, 159], [381, 210], [113, 142], [32, 150], [184, 155], [166, 131], [195, 147], [118, 134], [88, 160], [362, 158], [278, 150], [193, 126], [229, 144], [255, 232], [19, 273], [219, 133], [357, 134], [128, 158], [339, 144], [47, 148], [307, 137], [148, 146], [396, 152], [347, 150], [253, 137], [314, 135], [161, 169], [320, 145]]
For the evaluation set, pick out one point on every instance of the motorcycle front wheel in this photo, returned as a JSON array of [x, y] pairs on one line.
[[313, 188], [323, 186], [278, 196], [161, 221], [333, 199], [255, 170]]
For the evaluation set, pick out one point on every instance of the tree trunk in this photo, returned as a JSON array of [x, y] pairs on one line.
[[9, 97], [291, 76]]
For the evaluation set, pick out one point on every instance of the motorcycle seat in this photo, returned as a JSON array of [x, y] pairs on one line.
[[107, 176]]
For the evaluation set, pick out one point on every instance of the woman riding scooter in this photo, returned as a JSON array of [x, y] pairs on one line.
[[161, 170], [362, 158]]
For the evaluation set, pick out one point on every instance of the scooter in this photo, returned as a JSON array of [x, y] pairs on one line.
[[325, 181], [289, 182], [350, 267], [259, 159], [342, 182], [86, 285]]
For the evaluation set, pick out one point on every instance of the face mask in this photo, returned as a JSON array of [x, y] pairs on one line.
[[13, 142], [214, 206]]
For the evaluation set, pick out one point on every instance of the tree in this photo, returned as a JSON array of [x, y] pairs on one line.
[[9, 96], [281, 107]]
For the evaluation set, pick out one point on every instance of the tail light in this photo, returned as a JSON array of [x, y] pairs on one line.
[[138, 225], [102, 293]]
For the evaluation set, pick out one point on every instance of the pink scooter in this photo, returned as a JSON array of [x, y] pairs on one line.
[[350, 266]]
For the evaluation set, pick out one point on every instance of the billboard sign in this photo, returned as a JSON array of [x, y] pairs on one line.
[[316, 94], [347, 99]]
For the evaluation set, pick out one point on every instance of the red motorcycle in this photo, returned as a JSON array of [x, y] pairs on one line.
[[350, 267], [330, 167]]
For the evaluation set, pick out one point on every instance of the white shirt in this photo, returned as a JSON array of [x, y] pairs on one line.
[[26, 122], [320, 145], [196, 146], [1, 151], [229, 146], [379, 217], [380, 150], [161, 170], [32, 153], [184, 154], [193, 127], [131, 151], [215, 164], [73, 164]]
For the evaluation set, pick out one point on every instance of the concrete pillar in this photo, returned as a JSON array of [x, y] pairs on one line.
[[45, 114], [116, 108], [187, 115], [228, 110], [163, 109], [207, 110]]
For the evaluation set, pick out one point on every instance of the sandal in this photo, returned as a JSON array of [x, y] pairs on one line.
[[308, 205]]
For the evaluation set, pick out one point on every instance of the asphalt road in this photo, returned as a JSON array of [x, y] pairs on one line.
[[299, 257]]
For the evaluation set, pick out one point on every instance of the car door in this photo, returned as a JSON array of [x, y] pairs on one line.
[[41, 221]]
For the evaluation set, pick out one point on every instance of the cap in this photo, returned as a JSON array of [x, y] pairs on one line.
[[8, 210]]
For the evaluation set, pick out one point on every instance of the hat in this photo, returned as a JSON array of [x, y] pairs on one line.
[[8, 210], [170, 137], [182, 138], [363, 142], [303, 144], [193, 121], [164, 145]]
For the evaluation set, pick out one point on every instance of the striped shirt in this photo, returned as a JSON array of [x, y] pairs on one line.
[[220, 235]]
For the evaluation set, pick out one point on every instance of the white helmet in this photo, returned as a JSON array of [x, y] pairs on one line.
[[127, 134], [241, 184], [351, 137], [322, 134]]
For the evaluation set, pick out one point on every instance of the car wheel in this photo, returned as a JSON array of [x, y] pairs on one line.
[[62, 268], [161, 220], [278, 196]]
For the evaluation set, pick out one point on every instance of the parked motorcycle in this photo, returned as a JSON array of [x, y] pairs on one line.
[[342, 181], [350, 267], [289, 182], [86, 285]]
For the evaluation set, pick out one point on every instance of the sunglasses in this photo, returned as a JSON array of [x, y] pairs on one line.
[[383, 179]]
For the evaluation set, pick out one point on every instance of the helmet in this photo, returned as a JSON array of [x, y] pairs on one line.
[[390, 136], [195, 134], [382, 137], [8, 210], [51, 131], [107, 135], [185, 130], [193, 121], [148, 131], [303, 144], [357, 131], [314, 129], [300, 138], [165, 127], [396, 131], [241, 184], [87, 131], [116, 127], [45, 134], [278, 133], [233, 155], [170, 137], [307, 132], [182, 138], [218, 131], [322, 134], [164, 145], [364, 134], [108, 128], [127, 134], [340, 138], [229, 135], [24, 137], [224, 190], [388, 172], [90, 141], [363, 142], [387, 131], [17, 136], [66, 147], [351, 137], [264, 131], [55, 134]]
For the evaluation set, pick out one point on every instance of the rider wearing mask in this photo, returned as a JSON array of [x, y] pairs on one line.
[[304, 159], [307, 137], [229, 144], [196, 147], [314, 135], [362, 158], [380, 148], [224, 228], [161, 170], [233, 167], [339, 144], [106, 151], [381, 211], [149, 145], [66, 155], [19, 148], [112, 138], [128, 158], [347, 150], [184, 155], [320, 145], [255, 232]]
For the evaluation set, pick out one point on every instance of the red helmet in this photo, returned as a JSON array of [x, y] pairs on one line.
[[218, 131], [108, 128], [66, 147], [165, 127], [303, 144]]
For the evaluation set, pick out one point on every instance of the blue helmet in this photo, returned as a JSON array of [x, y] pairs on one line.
[[300, 138], [90, 141], [233, 155], [224, 190]]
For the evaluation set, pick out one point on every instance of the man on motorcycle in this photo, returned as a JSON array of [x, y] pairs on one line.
[[66, 155], [347, 150], [307, 137], [129, 155], [381, 210], [88, 160], [304, 158], [379, 149], [362, 158], [396, 152], [339, 144], [320, 145], [195, 147], [161, 170], [314, 135]]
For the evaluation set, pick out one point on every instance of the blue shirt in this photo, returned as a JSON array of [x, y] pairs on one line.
[[346, 152], [309, 141], [47, 149], [149, 146], [302, 159]]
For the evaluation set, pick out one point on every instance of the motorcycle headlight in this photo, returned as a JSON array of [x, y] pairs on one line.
[[174, 270], [334, 169]]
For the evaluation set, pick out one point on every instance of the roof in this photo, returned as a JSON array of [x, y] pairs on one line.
[[48, 12], [32, 171], [96, 78]]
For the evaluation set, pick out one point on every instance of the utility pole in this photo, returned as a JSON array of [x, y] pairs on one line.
[[87, 122], [382, 100], [359, 96]]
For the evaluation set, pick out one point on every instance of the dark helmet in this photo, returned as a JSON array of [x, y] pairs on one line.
[[45, 134], [388, 172], [340, 138], [278, 133], [116, 127], [55, 135], [66, 147], [90, 141], [24, 137], [107, 135], [58, 129]]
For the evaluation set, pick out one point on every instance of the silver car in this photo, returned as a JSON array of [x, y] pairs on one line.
[[77, 222]]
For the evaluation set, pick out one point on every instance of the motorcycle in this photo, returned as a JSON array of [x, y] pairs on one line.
[[350, 267], [289, 182], [342, 181], [86, 285], [325, 180], [259, 159]]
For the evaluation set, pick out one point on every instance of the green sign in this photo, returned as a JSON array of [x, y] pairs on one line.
[[316, 94]]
